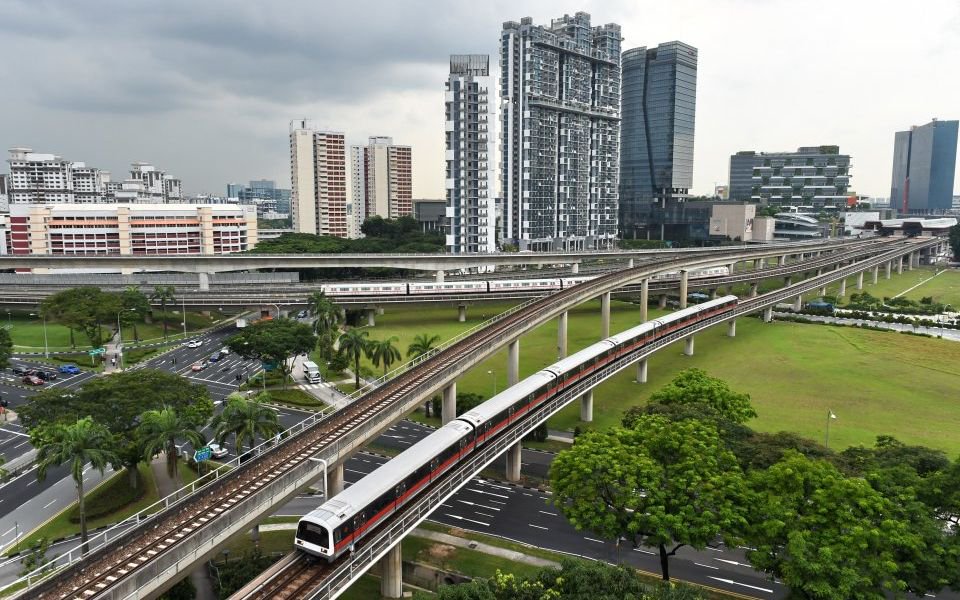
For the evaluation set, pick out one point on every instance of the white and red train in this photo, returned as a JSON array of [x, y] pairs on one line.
[[342, 522], [336, 290]]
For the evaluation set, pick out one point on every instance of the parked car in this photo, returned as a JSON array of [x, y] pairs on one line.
[[224, 351], [198, 366], [194, 343], [20, 371], [214, 357], [32, 380], [45, 375], [217, 450], [70, 369]]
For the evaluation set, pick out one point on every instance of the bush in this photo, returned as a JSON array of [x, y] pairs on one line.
[[111, 497]]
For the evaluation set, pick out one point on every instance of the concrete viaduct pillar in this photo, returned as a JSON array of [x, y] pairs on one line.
[[843, 286], [462, 313], [688, 345], [440, 276], [204, 281], [768, 314], [586, 407], [642, 371], [562, 335], [371, 317], [448, 410], [630, 263], [787, 281], [782, 260], [753, 289], [798, 303], [732, 267], [900, 266], [391, 573], [876, 274], [334, 480], [713, 293], [605, 316], [732, 328], [860, 280], [575, 268], [822, 291], [644, 299], [889, 268], [663, 301], [513, 376], [684, 280]]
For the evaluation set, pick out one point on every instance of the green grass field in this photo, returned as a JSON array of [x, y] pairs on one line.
[[876, 382]]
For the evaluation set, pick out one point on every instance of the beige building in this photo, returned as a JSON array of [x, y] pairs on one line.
[[318, 177], [386, 178], [738, 221], [131, 230]]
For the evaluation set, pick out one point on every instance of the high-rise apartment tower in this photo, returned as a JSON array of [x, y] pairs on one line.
[[659, 107], [318, 177], [924, 165], [471, 154], [560, 135]]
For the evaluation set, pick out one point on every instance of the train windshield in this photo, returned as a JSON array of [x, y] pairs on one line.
[[314, 534]]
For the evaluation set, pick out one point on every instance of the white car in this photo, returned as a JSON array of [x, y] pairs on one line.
[[194, 343], [217, 450], [224, 351]]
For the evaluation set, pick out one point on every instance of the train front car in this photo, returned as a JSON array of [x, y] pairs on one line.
[[342, 522]]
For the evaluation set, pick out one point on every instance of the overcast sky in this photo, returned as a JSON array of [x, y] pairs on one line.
[[205, 90]]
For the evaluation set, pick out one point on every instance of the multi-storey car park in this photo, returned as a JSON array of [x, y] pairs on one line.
[[152, 549]]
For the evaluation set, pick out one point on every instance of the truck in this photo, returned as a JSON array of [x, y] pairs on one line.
[[311, 372], [241, 323]]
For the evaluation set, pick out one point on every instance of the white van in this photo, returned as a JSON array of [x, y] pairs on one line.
[[311, 372]]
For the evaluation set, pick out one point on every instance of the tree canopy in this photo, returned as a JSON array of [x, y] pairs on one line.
[[695, 386], [663, 483], [116, 401], [6, 348], [274, 341], [83, 309]]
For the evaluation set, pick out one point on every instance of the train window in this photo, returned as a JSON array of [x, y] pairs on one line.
[[313, 534]]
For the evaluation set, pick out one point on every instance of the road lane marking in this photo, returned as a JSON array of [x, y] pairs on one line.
[[487, 493], [733, 562], [458, 517], [47, 505], [642, 551], [593, 540], [538, 526], [746, 585], [707, 566], [468, 503], [552, 514]]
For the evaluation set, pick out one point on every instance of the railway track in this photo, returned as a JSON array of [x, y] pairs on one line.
[[295, 579], [112, 564]]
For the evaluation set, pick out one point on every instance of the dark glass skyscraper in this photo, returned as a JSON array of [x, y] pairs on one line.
[[924, 164], [656, 134]]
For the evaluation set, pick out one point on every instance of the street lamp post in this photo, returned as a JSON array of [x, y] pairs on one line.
[[494, 377], [183, 314], [278, 309], [46, 346]]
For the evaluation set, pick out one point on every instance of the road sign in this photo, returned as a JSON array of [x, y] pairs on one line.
[[96, 351], [202, 454]]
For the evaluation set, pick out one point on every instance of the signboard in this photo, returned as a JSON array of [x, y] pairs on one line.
[[202, 454], [96, 351]]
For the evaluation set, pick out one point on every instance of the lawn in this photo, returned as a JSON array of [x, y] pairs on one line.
[[944, 287], [296, 398], [795, 373], [60, 526]]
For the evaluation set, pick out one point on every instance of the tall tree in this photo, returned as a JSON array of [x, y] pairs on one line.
[[329, 318], [164, 294], [6, 348], [159, 430], [422, 344], [354, 344], [384, 352], [274, 342], [245, 419], [117, 401], [135, 306], [83, 308], [74, 445], [824, 535], [955, 240], [663, 483], [694, 385]]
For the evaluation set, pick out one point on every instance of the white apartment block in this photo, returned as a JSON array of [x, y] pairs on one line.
[[4, 199], [37, 178], [470, 155], [318, 177], [357, 203], [386, 178]]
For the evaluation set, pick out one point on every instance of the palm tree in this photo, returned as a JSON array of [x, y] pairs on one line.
[[329, 317], [75, 444], [164, 293], [160, 430], [245, 419], [422, 345], [354, 344], [383, 351]]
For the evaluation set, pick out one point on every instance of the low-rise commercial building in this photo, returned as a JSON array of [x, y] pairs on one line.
[[131, 230]]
